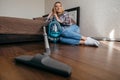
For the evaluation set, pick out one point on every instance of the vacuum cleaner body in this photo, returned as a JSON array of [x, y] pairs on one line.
[[54, 30]]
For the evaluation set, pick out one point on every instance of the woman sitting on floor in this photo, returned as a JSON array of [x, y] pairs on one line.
[[70, 31]]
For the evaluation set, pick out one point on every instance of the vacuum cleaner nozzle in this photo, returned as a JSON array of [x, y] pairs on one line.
[[45, 62]]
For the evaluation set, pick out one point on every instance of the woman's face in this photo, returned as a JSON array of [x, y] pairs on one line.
[[58, 7]]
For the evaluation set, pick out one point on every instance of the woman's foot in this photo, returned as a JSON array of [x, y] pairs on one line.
[[92, 42]]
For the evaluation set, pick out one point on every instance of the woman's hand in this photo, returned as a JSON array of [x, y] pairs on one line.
[[54, 12]]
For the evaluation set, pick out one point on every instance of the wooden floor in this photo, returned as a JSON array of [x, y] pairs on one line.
[[88, 63]]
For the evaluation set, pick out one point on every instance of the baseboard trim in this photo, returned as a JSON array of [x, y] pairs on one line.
[[107, 39]]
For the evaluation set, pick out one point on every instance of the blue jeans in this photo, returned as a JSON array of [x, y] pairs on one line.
[[70, 35]]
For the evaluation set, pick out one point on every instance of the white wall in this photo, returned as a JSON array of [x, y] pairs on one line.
[[22, 8], [98, 18]]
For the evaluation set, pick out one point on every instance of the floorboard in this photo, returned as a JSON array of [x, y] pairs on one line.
[[88, 63]]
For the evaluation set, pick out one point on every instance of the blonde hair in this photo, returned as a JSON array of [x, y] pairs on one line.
[[59, 3]]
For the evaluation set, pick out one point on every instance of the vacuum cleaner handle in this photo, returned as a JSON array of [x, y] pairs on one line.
[[48, 51]]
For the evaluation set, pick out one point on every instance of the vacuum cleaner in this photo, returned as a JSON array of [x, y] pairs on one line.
[[54, 30], [43, 60]]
